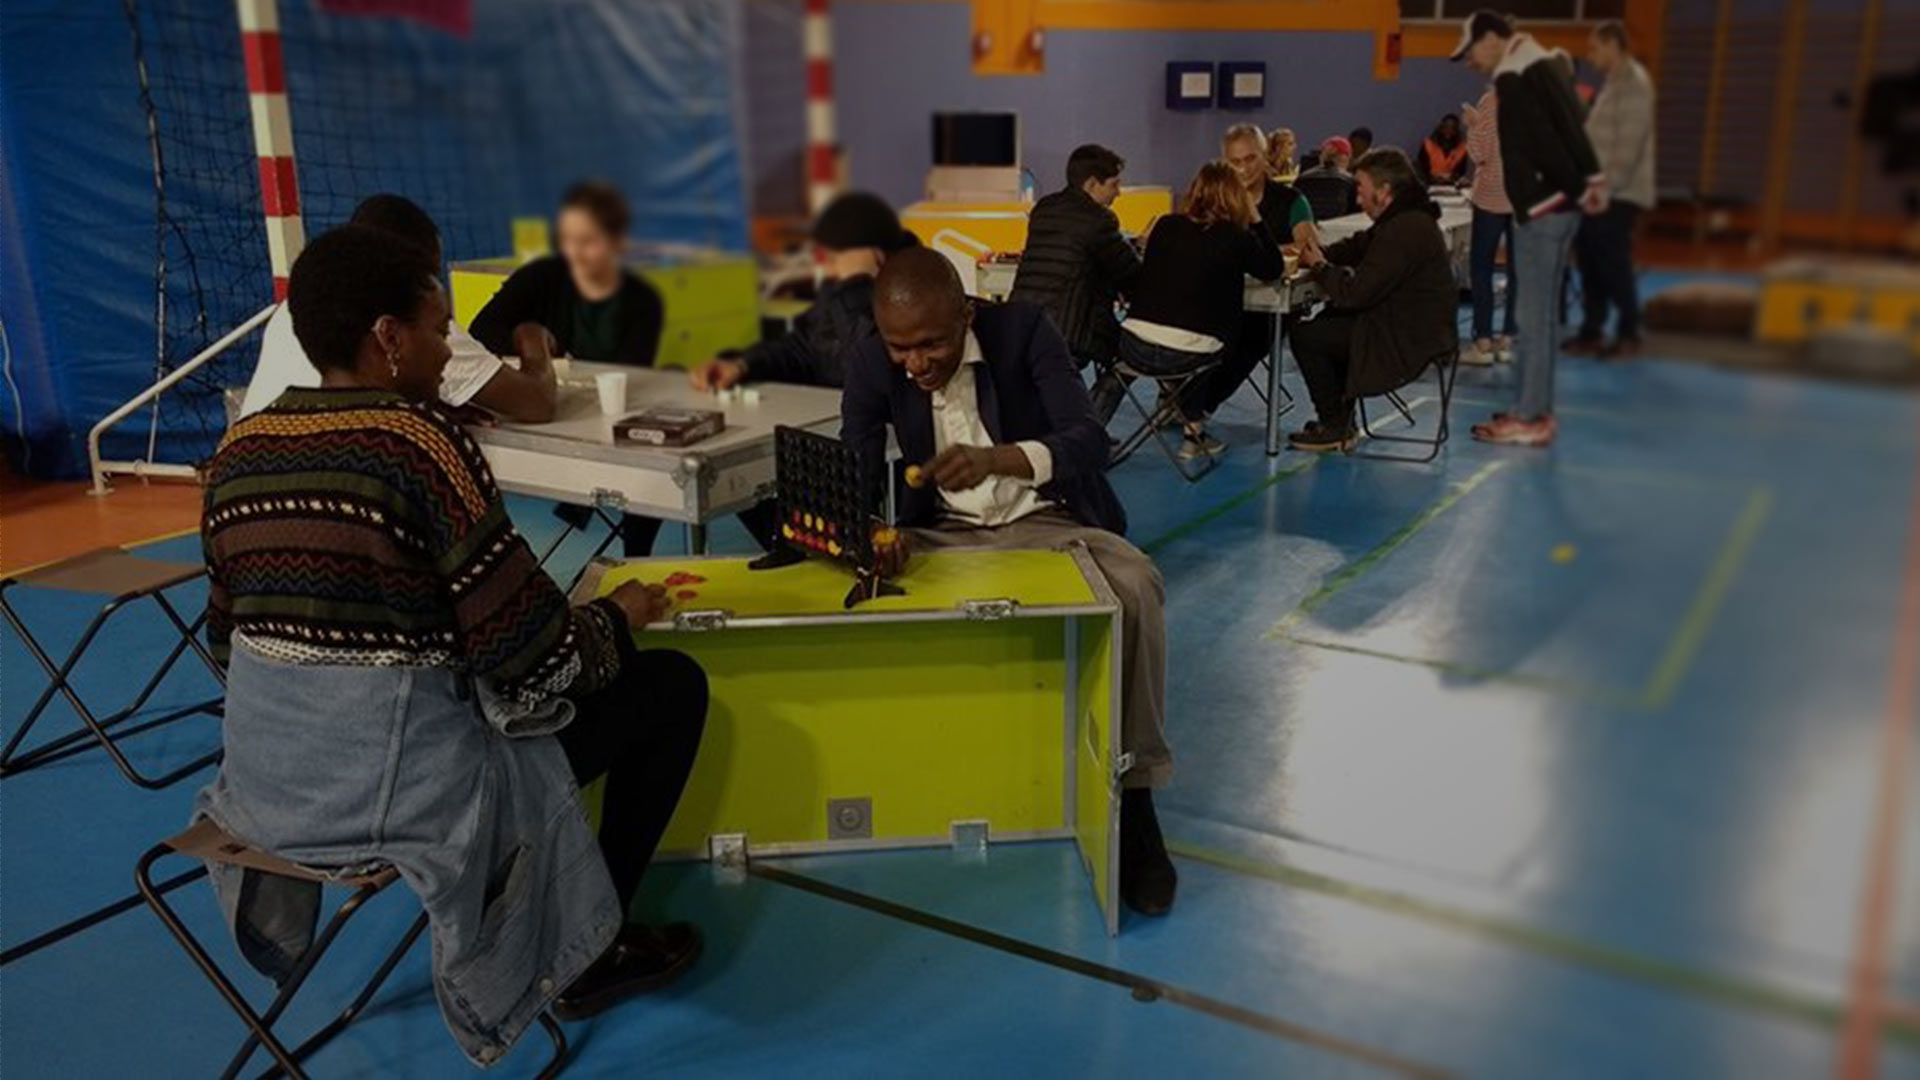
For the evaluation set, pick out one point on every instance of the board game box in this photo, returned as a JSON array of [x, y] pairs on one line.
[[669, 427]]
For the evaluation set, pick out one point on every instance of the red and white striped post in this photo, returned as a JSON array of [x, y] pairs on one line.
[[823, 165], [272, 136]]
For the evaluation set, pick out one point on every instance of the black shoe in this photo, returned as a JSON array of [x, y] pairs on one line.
[[1322, 438], [641, 960], [1148, 880]]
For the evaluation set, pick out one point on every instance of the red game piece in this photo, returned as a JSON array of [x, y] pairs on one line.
[[685, 594]]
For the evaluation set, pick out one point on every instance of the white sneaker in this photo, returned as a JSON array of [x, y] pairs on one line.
[[1503, 350], [1479, 354]]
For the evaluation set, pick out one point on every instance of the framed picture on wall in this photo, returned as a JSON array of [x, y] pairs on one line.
[[1243, 84], [1189, 85]]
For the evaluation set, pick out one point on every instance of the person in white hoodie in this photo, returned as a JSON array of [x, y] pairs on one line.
[[1552, 177], [1621, 130]]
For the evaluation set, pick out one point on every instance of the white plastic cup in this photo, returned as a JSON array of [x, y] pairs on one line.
[[562, 368], [613, 391]]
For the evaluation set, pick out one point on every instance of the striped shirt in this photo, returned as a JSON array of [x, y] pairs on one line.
[[353, 527], [1483, 146]]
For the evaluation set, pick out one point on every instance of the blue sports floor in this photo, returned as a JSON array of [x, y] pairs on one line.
[[1523, 764]]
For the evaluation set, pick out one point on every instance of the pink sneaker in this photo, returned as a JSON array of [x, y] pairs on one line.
[[1509, 430]]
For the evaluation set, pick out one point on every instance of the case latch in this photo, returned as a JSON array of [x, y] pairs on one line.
[[728, 851], [989, 610], [702, 621], [1121, 768], [609, 499]]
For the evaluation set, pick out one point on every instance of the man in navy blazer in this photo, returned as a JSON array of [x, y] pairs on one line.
[[986, 403]]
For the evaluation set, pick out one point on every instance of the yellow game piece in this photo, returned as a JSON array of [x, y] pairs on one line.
[[1564, 553], [786, 531], [916, 476], [833, 548]]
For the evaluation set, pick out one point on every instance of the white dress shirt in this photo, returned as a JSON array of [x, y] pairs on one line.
[[997, 500], [284, 364]]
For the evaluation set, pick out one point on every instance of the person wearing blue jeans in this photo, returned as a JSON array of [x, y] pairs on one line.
[[1552, 176], [1489, 229]]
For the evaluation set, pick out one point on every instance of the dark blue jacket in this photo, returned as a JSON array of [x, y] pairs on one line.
[[1029, 390]]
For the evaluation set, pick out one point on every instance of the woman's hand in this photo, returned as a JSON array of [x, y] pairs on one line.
[[643, 604]]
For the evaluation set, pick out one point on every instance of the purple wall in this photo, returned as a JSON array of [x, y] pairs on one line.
[[897, 63]]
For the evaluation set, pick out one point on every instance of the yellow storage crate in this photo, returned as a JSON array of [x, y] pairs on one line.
[[712, 300], [979, 707], [1801, 297]]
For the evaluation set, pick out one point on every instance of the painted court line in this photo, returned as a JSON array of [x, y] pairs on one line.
[[1621, 963], [1867, 1006], [128, 546], [1214, 513], [1144, 989], [1675, 661], [1692, 632], [1347, 574]]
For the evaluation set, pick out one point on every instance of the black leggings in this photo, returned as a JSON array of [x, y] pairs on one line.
[[641, 733]]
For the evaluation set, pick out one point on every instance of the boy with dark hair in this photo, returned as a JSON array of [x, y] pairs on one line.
[[1076, 263]]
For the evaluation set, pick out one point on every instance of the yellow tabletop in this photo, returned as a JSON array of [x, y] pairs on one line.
[[935, 581]]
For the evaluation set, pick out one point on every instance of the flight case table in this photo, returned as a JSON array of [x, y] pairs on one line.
[[574, 458], [980, 706]]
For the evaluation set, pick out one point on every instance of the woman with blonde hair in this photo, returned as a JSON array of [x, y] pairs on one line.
[[1282, 149], [1186, 302]]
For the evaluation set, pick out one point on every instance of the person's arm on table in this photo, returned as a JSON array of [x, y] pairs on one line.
[[517, 301], [528, 395], [1306, 235], [1356, 288], [788, 359]]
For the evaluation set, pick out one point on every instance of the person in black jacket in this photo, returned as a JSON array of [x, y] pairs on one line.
[[1391, 302], [987, 401], [1552, 176], [585, 296], [853, 236], [1076, 262], [593, 307], [1186, 304]]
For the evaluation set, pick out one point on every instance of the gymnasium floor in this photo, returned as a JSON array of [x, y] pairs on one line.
[[1524, 764]]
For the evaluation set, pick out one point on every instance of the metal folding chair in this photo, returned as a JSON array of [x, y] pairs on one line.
[[1166, 412], [1447, 367], [123, 578], [207, 842]]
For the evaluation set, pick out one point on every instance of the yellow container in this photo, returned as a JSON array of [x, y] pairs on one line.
[[978, 707], [1002, 227], [712, 301]]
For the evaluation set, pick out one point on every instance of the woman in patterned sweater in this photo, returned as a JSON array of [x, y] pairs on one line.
[[406, 685]]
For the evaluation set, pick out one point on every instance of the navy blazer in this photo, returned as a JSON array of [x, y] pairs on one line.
[[1029, 391]]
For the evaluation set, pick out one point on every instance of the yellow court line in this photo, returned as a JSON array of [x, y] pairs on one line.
[[129, 546]]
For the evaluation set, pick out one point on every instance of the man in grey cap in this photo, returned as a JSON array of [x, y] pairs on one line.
[[1552, 177]]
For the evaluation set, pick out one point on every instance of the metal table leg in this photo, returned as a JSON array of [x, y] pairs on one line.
[[1276, 407], [696, 538]]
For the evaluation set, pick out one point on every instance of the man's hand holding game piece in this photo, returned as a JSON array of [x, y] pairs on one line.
[[961, 468], [643, 604], [891, 550]]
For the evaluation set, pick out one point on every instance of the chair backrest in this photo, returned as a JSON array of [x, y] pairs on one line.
[[1330, 196], [206, 840]]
